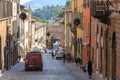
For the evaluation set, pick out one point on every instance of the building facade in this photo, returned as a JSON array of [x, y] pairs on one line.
[[77, 30], [25, 29], [99, 33], [8, 32], [54, 31], [40, 35]]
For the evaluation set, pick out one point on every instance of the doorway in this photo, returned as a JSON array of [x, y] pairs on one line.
[[114, 56]]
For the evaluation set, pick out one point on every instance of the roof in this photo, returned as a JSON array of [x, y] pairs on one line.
[[38, 25]]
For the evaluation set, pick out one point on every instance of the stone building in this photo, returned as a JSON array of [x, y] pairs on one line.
[[8, 33], [40, 35], [106, 59], [99, 34], [113, 43], [67, 31], [25, 31], [77, 30], [54, 31]]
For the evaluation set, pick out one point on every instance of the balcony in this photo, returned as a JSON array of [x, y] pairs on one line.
[[100, 9]]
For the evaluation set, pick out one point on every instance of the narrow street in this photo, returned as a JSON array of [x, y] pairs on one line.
[[52, 70]]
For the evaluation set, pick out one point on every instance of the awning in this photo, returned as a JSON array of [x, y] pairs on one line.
[[85, 43]]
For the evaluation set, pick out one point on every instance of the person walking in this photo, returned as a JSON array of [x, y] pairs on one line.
[[19, 58], [64, 57], [90, 69], [52, 54]]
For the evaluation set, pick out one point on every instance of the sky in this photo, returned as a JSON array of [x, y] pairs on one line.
[[24, 1], [34, 4]]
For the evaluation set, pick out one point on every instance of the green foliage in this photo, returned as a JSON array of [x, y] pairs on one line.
[[62, 22], [59, 12], [48, 12], [39, 20], [68, 3]]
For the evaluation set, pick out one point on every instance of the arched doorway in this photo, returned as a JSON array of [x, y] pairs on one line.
[[54, 39], [114, 56]]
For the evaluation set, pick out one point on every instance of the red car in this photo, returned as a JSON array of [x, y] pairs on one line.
[[33, 60]]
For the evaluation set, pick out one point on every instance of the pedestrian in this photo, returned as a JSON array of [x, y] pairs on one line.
[[64, 57], [78, 61], [19, 58], [52, 54], [89, 69]]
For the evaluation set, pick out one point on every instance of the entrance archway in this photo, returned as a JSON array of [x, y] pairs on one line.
[[54, 39]]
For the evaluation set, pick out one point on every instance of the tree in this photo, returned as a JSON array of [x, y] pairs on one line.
[[68, 3], [39, 20], [62, 22], [58, 12]]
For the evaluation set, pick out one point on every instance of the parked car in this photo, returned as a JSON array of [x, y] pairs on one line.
[[42, 51], [33, 60], [49, 51], [59, 54]]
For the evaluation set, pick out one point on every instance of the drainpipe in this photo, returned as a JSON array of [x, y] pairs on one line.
[[90, 36], [75, 32], [75, 42]]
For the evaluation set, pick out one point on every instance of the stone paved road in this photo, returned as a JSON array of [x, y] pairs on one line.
[[52, 70]]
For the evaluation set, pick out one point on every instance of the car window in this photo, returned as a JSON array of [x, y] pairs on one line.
[[33, 52]]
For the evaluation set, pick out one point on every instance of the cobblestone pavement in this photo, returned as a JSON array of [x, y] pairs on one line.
[[52, 70]]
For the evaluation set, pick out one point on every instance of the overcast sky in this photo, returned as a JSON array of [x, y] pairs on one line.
[[24, 1]]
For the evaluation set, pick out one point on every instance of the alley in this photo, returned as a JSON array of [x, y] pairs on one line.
[[52, 70]]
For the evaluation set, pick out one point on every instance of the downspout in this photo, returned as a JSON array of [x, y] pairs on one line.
[[90, 36], [75, 33], [65, 31]]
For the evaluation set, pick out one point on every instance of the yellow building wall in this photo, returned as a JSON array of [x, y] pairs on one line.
[[72, 6], [77, 9], [79, 33], [80, 6]]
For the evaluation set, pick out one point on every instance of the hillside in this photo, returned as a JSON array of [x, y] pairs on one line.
[[35, 4], [48, 12]]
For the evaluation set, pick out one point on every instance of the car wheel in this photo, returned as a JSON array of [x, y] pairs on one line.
[[26, 69], [41, 68], [56, 58]]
